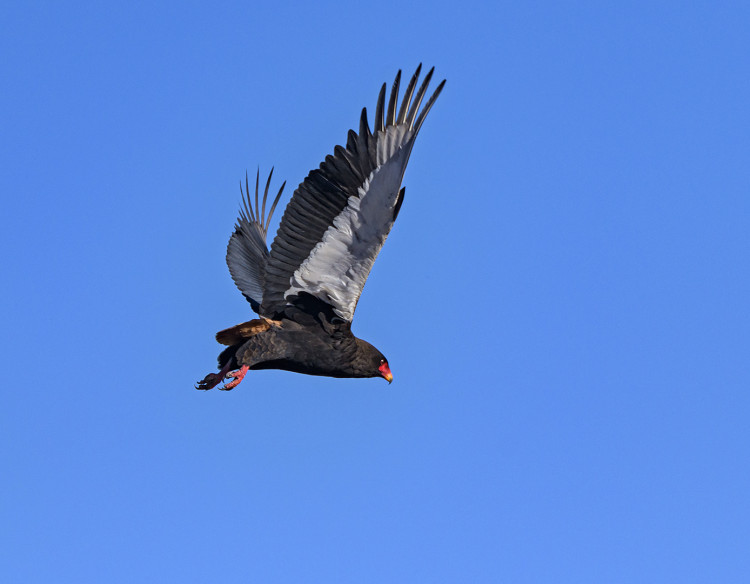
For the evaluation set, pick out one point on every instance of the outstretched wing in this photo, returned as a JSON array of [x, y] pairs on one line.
[[247, 253], [341, 214]]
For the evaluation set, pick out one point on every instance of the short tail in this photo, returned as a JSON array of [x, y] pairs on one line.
[[241, 332]]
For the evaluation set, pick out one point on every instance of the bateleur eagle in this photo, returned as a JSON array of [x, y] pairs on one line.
[[306, 289]]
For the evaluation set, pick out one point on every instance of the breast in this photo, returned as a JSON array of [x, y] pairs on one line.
[[309, 350]]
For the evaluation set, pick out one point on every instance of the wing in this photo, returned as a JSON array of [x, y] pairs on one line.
[[341, 214], [247, 253]]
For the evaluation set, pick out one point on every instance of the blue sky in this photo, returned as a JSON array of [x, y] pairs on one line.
[[563, 300]]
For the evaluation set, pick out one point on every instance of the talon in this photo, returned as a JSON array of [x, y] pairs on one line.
[[209, 381], [212, 379], [238, 375]]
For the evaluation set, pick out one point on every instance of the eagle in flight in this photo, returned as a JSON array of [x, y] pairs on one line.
[[305, 290]]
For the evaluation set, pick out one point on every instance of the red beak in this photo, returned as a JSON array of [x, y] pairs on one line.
[[385, 371]]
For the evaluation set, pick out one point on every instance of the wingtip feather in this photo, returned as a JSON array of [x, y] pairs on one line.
[[418, 99], [428, 106], [379, 123], [408, 95], [391, 118]]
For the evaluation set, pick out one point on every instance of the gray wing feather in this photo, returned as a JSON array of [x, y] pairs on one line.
[[247, 253], [341, 214]]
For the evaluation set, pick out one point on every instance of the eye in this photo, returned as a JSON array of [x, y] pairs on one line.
[[382, 361]]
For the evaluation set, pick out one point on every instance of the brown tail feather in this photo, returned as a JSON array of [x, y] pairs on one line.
[[238, 333]]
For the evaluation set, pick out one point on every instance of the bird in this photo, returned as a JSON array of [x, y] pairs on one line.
[[306, 288]]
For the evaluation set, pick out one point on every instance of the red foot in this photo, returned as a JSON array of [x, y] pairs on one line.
[[238, 375]]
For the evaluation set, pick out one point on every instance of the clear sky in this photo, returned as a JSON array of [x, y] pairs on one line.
[[563, 300]]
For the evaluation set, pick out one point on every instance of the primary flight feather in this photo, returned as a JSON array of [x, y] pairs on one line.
[[306, 289]]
